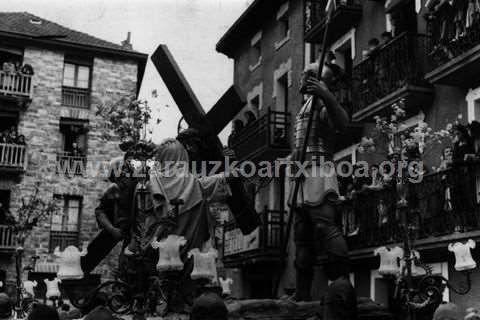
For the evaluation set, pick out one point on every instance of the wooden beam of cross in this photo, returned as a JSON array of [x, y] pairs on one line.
[[226, 108], [209, 125]]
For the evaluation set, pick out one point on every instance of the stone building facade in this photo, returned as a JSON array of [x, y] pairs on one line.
[[58, 114]]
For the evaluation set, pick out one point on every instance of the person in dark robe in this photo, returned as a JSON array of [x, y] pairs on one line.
[[113, 214]]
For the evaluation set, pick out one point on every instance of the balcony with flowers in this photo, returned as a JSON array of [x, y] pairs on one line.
[[345, 15], [392, 71], [443, 202], [454, 42]]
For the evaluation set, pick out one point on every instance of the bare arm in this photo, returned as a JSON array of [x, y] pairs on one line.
[[336, 113]]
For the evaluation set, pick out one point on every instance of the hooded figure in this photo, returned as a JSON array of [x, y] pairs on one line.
[[170, 182]]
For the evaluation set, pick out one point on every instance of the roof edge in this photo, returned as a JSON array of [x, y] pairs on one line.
[[141, 58], [222, 45], [70, 44]]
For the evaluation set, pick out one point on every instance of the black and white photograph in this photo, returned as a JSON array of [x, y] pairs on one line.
[[239, 159]]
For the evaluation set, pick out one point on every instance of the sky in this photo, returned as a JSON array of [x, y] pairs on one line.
[[190, 29]]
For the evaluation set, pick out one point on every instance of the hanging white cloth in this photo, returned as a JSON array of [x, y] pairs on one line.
[[169, 253], [69, 262], [463, 255], [389, 260]]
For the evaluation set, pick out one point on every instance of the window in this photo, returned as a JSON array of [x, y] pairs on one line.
[[256, 52], [283, 25], [282, 94], [65, 224], [72, 157], [76, 82], [255, 103], [473, 104], [76, 76], [254, 98], [74, 136]]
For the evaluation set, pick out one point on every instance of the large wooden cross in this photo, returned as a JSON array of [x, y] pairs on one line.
[[213, 122], [208, 125]]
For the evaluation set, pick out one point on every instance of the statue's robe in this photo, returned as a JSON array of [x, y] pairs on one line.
[[192, 221]]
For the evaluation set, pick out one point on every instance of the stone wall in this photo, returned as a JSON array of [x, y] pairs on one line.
[[111, 79]]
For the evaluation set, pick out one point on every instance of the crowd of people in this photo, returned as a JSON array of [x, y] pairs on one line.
[[450, 311], [374, 44], [9, 79], [10, 67], [39, 311], [12, 137]]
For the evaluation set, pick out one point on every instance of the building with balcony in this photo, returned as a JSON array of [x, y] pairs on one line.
[[267, 48], [51, 80], [418, 53], [424, 58]]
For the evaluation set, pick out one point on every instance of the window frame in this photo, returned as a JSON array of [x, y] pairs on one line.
[[66, 198], [256, 48], [75, 75], [283, 23]]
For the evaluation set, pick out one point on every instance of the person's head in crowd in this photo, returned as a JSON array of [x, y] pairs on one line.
[[21, 139], [472, 314], [43, 312], [386, 36], [6, 307], [100, 313], [373, 44], [209, 307], [250, 116], [448, 311], [13, 134], [237, 125]]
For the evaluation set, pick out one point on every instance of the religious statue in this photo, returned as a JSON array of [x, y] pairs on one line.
[[318, 191], [113, 213], [175, 207]]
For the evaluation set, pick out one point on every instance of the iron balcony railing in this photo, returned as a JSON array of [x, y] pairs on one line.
[[13, 156], [269, 133], [16, 84], [392, 66], [443, 203], [63, 239], [315, 11], [451, 34], [266, 238], [69, 164], [342, 90], [75, 97]]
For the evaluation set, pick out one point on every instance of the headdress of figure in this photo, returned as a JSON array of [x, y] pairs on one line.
[[171, 179]]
